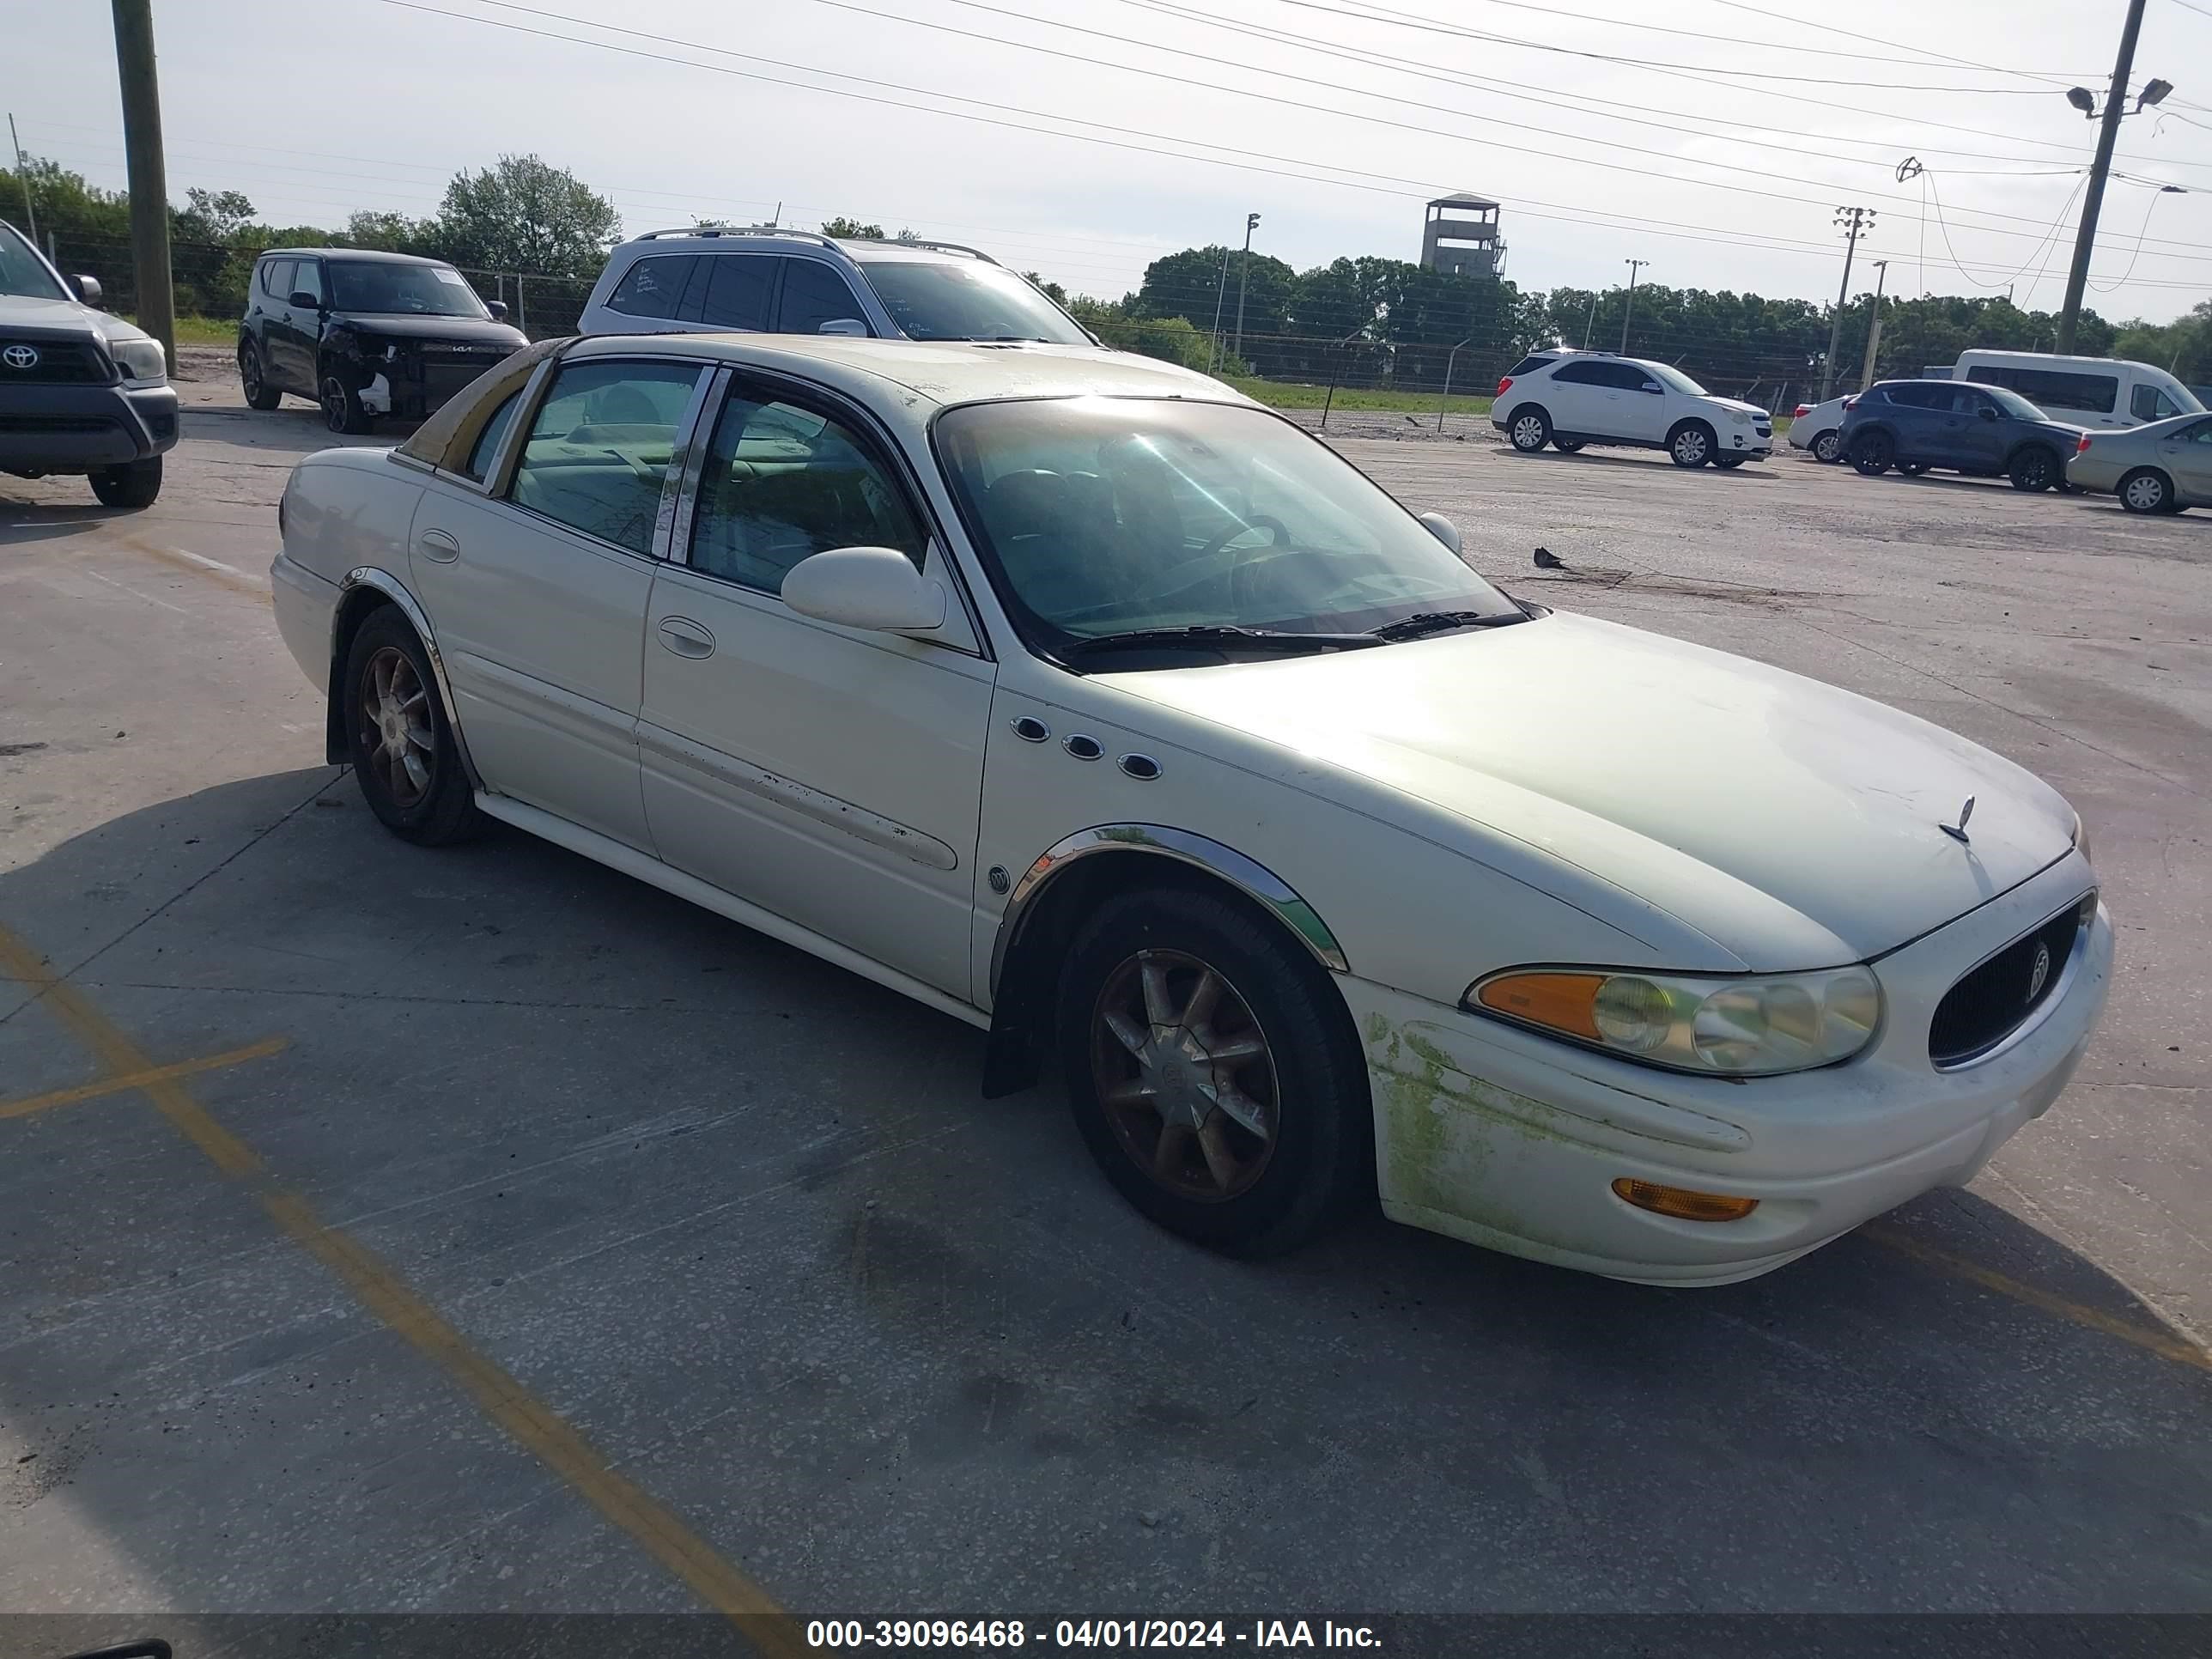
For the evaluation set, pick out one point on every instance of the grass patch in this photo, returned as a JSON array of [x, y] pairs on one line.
[[1284, 394], [199, 331]]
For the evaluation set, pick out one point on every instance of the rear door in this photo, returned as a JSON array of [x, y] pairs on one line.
[[538, 591], [1576, 396], [1927, 430]]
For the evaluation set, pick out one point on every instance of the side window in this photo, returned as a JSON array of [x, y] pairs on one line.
[[781, 481], [652, 286], [600, 450], [487, 444], [1582, 374], [1626, 377], [2201, 432], [1919, 395], [1527, 366], [1965, 401], [815, 293], [308, 279], [277, 279], [2147, 403], [738, 289]]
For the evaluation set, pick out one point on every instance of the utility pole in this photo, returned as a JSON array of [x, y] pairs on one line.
[[148, 176], [2085, 239], [23, 177], [1634, 266], [1873, 324], [1589, 319], [1857, 221], [1243, 274]]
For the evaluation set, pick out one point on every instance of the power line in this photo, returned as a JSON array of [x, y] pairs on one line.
[[1766, 17], [1288, 164]]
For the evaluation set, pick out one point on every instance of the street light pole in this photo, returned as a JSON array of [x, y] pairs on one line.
[[1220, 293], [1243, 274], [1857, 221], [2085, 238], [1634, 266], [1873, 324]]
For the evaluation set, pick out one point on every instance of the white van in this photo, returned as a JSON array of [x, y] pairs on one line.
[[2093, 392]]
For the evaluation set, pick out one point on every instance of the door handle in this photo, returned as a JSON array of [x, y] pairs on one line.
[[437, 545], [686, 638]]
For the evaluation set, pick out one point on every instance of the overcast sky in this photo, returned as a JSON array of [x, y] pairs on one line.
[[1725, 176]]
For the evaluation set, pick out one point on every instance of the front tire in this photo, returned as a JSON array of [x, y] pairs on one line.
[[1730, 463], [342, 407], [253, 379], [1212, 1072], [132, 485], [1828, 447], [2147, 491], [401, 743], [1529, 431], [2034, 470], [1690, 444], [1872, 454]]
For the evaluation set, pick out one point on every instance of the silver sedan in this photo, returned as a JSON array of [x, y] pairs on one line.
[[2162, 467]]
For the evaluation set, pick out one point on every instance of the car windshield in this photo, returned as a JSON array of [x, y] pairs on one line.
[[2013, 404], [1676, 378], [1104, 516], [22, 272], [372, 285], [930, 301]]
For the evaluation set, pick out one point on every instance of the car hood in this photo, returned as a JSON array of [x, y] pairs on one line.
[[59, 316], [1738, 403], [418, 325], [1796, 824]]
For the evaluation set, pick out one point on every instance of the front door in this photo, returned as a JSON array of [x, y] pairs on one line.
[[830, 774], [2187, 455], [539, 599], [1636, 402], [1979, 430]]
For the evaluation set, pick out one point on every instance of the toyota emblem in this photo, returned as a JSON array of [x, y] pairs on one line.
[[2040, 972], [20, 356]]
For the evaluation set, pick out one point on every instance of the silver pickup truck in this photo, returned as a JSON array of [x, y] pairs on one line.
[[81, 391]]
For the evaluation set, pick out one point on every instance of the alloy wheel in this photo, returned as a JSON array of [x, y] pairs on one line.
[[249, 372], [395, 728], [1529, 433], [1827, 447], [1690, 446], [1185, 1074]]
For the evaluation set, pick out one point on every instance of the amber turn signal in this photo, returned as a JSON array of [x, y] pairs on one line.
[[1681, 1202], [1564, 1002]]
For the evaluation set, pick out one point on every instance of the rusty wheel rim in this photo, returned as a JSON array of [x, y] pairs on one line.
[[397, 739], [1185, 1075]]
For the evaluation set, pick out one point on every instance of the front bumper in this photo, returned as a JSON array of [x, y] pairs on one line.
[[1507, 1139], [76, 429], [1747, 440], [414, 380]]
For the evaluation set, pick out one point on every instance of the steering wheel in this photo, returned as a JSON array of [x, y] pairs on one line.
[[1249, 579], [1274, 527]]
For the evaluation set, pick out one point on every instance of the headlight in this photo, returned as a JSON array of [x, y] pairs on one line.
[[1740, 417], [140, 360], [1753, 1026]]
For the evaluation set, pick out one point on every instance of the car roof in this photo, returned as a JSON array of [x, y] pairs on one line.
[[929, 375], [377, 255]]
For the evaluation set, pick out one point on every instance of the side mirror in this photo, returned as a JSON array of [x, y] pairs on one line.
[[498, 309], [852, 325], [875, 587], [88, 288], [1654, 386], [1987, 413], [304, 300], [1443, 529]]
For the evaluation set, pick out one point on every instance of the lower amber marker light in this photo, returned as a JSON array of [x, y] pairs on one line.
[[1682, 1203]]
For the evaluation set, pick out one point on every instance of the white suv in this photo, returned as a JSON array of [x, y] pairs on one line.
[[1570, 399], [759, 278]]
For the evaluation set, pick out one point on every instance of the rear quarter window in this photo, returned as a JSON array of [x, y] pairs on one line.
[[653, 287], [1528, 366]]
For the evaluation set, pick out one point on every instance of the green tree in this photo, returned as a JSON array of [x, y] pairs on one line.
[[524, 213], [852, 229], [391, 232], [1190, 285]]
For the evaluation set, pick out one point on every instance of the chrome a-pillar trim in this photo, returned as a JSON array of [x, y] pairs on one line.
[[368, 575], [1249, 877]]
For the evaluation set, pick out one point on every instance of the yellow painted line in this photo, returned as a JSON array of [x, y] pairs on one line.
[[2166, 1344], [135, 1080], [530, 1422]]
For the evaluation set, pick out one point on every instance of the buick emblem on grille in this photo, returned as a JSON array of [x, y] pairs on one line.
[[2039, 973], [1957, 831], [20, 356]]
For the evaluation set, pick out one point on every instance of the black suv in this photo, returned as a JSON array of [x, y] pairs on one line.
[[365, 334], [1984, 431], [79, 391]]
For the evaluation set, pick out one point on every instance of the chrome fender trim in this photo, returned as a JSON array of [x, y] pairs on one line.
[[1248, 876], [368, 575]]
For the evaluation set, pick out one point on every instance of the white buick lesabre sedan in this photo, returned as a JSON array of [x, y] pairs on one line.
[[1080, 698]]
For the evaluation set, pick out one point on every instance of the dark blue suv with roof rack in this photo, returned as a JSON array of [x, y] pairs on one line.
[[1983, 431]]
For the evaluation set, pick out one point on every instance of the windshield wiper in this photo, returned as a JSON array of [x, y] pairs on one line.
[[1221, 634], [1438, 622]]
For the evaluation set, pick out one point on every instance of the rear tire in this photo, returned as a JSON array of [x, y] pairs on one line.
[[1529, 429], [134, 484], [2034, 469], [1913, 469], [1567, 446], [2147, 491], [1872, 454], [398, 739], [1691, 444], [1730, 463], [1828, 447], [253, 379], [1299, 1074]]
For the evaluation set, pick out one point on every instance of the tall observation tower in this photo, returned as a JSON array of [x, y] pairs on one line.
[[1460, 236]]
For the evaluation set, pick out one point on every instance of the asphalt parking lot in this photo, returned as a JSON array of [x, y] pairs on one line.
[[480, 1230]]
